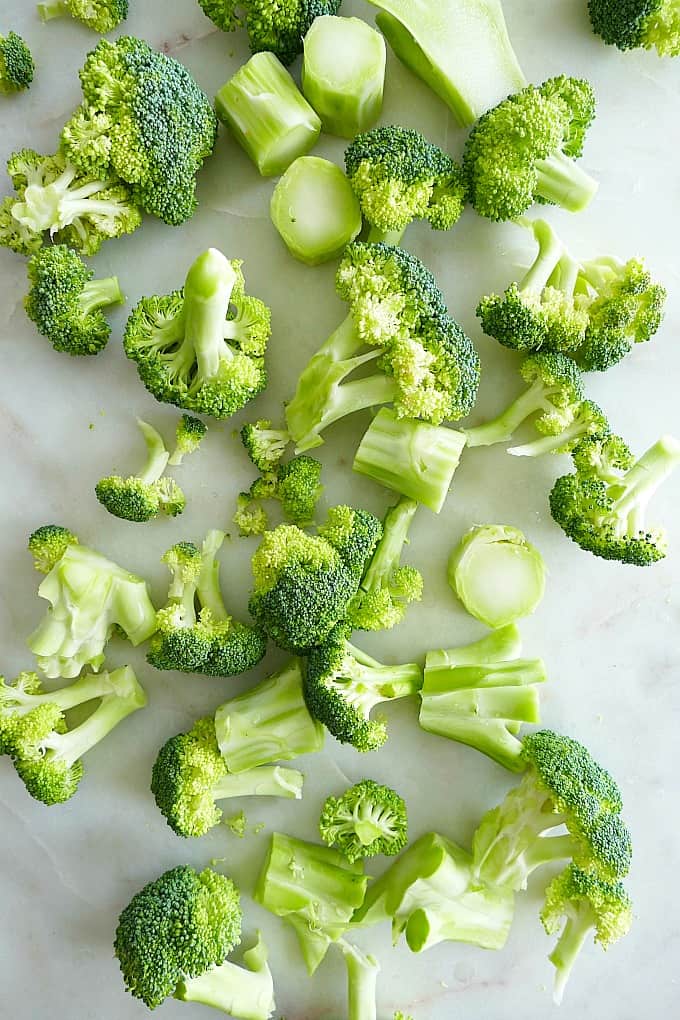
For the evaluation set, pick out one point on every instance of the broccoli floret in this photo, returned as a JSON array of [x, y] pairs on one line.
[[366, 820], [90, 597], [524, 150], [202, 347], [588, 420], [264, 445], [147, 494], [16, 64], [342, 685], [99, 15], [577, 904], [430, 894], [602, 506], [250, 517], [190, 775], [362, 979], [427, 366], [189, 435], [314, 888], [563, 785], [278, 27], [195, 633], [78, 209], [304, 583], [297, 487], [129, 90], [46, 753], [398, 176], [633, 24], [479, 697]]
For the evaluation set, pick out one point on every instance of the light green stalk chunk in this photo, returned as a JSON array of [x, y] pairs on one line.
[[362, 978], [245, 993]]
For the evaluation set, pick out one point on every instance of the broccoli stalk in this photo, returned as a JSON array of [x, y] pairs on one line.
[[246, 993], [100, 15], [367, 819], [147, 494], [362, 978]]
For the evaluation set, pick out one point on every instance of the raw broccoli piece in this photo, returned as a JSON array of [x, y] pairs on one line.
[[430, 894], [250, 517], [362, 978], [524, 150], [90, 598], [314, 888], [480, 694], [195, 633], [589, 420], [563, 785], [367, 819], [77, 208], [633, 24], [577, 904], [278, 27], [190, 775], [342, 685], [202, 347], [602, 506], [189, 435], [147, 494], [65, 302], [268, 723], [297, 487], [427, 366], [16, 64], [130, 92], [388, 588], [303, 583], [46, 753], [264, 445], [99, 15], [398, 176]]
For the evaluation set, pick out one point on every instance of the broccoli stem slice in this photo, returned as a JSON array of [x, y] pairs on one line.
[[208, 586], [563, 957], [243, 992], [100, 293], [207, 292], [390, 547], [362, 980], [501, 429], [157, 455], [562, 181], [56, 9], [262, 781], [635, 489], [378, 236]]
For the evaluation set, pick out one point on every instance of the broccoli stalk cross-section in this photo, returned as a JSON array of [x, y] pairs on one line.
[[367, 819]]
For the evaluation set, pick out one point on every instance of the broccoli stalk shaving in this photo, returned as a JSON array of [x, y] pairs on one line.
[[147, 494]]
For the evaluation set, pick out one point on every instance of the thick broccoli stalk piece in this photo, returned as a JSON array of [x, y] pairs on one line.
[[194, 631], [367, 819], [65, 302], [278, 27], [148, 494], [246, 993], [46, 753], [268, 723], [563, 786], [479, 696], [398, 176], [264, 444], [16, 64], [633, 24], [577, 904], [314, 888], [603, 505], [129, 90], [362, 979], [90, 598], [430, 894], [296, 485], [388, 588], [303, 583], [427, 366], [99, 15], [79, 209], [189, 435], [202, 347], [190, 775], [343, 685], [524, 150]]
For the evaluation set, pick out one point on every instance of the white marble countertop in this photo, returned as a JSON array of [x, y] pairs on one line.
[[607, 632]]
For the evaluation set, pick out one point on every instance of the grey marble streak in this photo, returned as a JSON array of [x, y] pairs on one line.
[[608, 633]]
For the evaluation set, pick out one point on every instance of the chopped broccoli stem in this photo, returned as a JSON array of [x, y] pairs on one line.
[[263, 781], [245, 993], [562, 181], [378, 236], [501, 645], [362, 979]]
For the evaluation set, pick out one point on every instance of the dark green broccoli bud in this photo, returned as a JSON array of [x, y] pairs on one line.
[[147, 494], [368, 819], [53, 196], [362, 979], [99, 15], [427, 366], [202, 347], [633, 24], [277, 27], [264, 445], [605, 514], [48, 544], [398, 176], [524, 150], [189, 435], [577, 904], [342, 685], [16, 64], [297, 487], [314, 888], [190, 775]]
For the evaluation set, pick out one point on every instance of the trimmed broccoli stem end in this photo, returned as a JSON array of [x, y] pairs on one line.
[[378, 236], [562, 181], [502, 428], [362, 980], [245, 992], [640, 483], [390, 547], [100, 293], [263, 781]]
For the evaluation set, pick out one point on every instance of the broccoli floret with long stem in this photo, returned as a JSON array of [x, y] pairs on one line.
[[202, 347], [633, 24], [426, 365], [279, 28], [602, 506], [296, 485], [48, 544], [189, 435], [343, 685], [16, 64], [362, 979], [524, 150], [314, 888], [576, 905], [264, 444], [99, 15], [147, 494], [366, 820], [398, 176], [589, 420]]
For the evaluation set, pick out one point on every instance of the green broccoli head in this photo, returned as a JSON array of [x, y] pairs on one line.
[[99, 15], [368, 819], [189, 435], [264, 445], [278, 27], [631, 24], [298, 487], [187, 770], [48, 544], [16, 64]]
